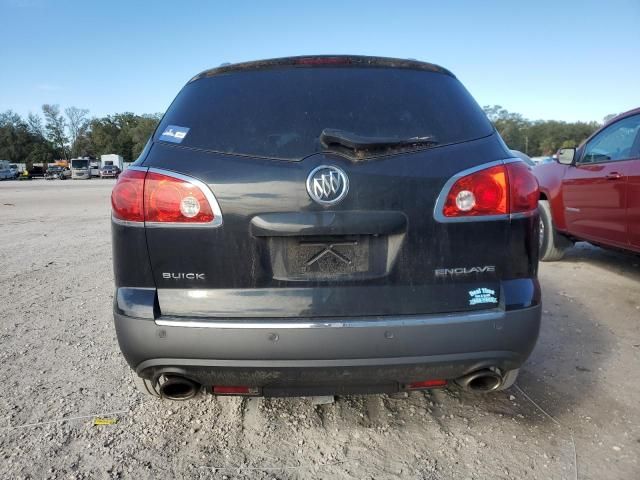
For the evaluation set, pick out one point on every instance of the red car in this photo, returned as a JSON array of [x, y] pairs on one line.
[[592, 192]]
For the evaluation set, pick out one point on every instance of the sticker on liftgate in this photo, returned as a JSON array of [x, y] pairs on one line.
[[174, 134], [482, 295]]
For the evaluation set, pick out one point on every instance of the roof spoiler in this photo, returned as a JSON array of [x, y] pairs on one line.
[[324, 61]]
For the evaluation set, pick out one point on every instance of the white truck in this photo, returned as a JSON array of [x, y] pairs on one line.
[[18, 168], [94, 167], [112, 159], [5, 170]]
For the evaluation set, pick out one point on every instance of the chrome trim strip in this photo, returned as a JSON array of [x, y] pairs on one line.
[[125, 223], [135, 167], [381, 322], [530, 213], [442, 197]]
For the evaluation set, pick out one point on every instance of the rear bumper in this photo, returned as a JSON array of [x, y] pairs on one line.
[[328, 355]]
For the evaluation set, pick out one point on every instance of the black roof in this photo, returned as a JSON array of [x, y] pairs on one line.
[[324, 61]]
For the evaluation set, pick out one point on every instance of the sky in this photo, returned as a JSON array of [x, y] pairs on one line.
[[562, 60]]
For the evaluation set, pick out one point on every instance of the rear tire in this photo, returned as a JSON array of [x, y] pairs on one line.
[[552, 244]]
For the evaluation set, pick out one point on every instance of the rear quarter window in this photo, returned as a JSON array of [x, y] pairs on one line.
[[280, 113]]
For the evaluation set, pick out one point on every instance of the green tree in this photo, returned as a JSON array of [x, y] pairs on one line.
[[36, 128], [124, 133], [55, 128], [540, 137], [142, 132], [78, 127], [23, 141]]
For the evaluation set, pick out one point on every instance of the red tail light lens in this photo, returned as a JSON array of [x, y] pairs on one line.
[[127, 196], [427, 384], [498, 190], [479, 193], [235, 390], [163, 197], [173, 200], [523, 188]]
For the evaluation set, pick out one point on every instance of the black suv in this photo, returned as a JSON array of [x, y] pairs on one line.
[[325, 225]]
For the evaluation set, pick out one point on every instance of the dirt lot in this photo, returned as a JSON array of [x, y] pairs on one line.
[[574, 413]]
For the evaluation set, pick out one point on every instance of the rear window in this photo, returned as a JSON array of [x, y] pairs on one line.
[[280, 113]]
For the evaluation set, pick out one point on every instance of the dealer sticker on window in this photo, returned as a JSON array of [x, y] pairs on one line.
[[482, 295], [174, 134]]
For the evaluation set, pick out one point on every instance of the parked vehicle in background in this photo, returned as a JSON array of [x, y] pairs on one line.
[[540, 160], [321, 225], [36, 171], [59, 163], [524, 157], [80, 169], [5, 170], [109, 171], [95, 166], [57, 172], [112, 159], [592, 192], [16, 169]]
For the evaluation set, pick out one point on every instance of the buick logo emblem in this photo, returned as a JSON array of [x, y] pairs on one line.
[[327, 185]]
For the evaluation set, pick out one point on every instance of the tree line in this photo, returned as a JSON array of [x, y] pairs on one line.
[[539, 137], [56, 134], [63, 134]]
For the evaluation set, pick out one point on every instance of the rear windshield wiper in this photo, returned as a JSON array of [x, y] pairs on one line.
[[332, 137]]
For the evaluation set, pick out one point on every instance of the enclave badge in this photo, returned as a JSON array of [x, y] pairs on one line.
[[327, 185]]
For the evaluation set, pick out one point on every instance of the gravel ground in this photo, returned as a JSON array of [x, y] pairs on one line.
[[573, 414]]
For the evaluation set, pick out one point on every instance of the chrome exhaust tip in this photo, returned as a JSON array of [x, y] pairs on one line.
[[177, 388], [484, 380]]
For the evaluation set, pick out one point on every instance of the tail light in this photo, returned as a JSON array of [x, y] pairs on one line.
[[158, 197], [523, 188], [235, 390], [127, 196], [439, 383], [174, 200], [503, 189]]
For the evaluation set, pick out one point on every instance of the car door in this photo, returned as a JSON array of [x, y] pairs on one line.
[[596, 189], [633, 197]]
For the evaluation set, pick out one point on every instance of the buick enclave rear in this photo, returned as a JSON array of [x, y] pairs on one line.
[[325, 225]]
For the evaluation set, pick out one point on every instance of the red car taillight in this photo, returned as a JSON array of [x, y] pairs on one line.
[[481, 193], [127, 196], [497, 190], [523, 188], [426, 384], [234, 390], [159, 197], [174, 200]]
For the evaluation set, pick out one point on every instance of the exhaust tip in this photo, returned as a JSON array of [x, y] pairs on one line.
[[481, 381], [177, 388]]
